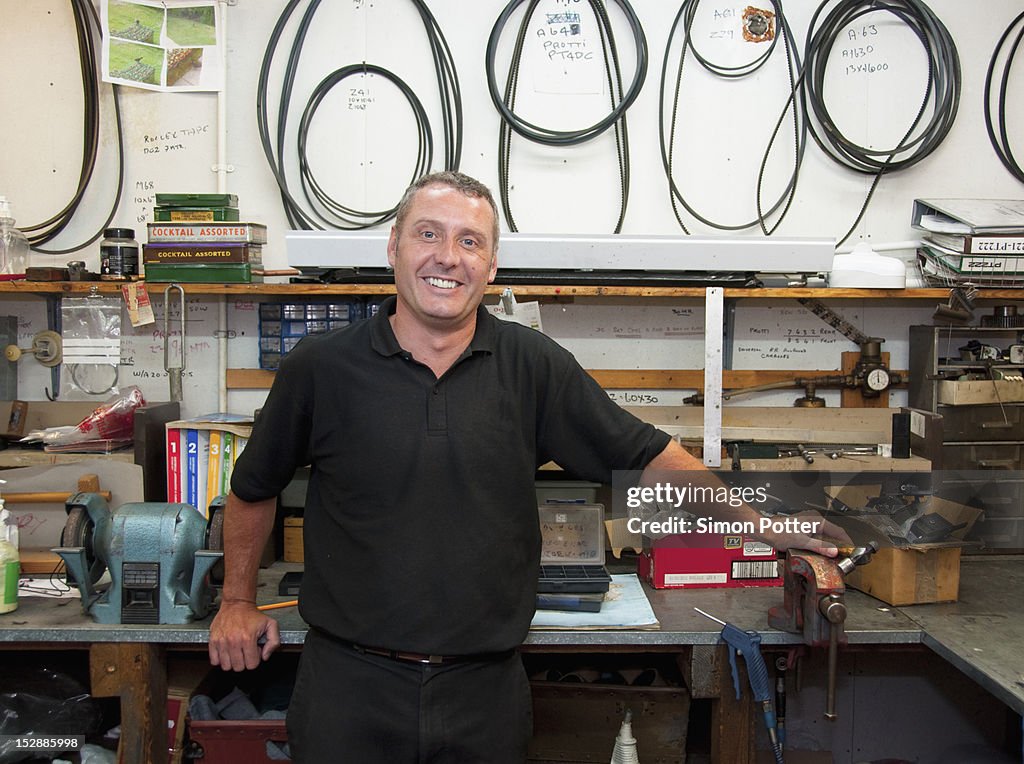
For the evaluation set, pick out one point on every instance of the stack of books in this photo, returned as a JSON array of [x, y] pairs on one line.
[[196, 238], [201, 455], [977, 241]]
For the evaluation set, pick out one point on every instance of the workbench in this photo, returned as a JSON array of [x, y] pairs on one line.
[[979, 635]]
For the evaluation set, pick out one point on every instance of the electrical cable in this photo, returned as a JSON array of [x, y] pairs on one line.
[[88, 33], [687, 13], [325, 212], [1001, 143], [942, 90], [620, 99]]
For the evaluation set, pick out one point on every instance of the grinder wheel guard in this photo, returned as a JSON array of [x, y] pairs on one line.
[[215, 543], [78, 531]]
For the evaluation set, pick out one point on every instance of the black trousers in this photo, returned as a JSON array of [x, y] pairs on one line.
[[349, 706]]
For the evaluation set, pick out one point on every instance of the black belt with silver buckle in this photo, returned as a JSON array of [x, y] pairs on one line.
[[401, 655]]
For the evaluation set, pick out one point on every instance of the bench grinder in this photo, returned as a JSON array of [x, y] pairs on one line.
[[159, 556]]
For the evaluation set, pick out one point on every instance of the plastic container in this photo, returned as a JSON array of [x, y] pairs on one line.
[[13, 245], [119, 253], [10, 562], [282, 325]]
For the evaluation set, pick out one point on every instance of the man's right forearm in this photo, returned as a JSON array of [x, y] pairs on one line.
[[247, 526]]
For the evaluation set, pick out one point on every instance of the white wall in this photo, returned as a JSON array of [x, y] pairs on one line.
[[365, 156]]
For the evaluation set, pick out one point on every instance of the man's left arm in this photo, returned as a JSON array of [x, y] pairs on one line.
[[674, 458]]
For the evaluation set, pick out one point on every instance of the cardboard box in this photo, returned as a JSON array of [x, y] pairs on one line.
[[910, 576], [185, 678], [973, 392], [708, 560], [914, 574], [294, 551]]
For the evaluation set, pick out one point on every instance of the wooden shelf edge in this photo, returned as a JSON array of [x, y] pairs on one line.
[[610, 379], [529, 290]]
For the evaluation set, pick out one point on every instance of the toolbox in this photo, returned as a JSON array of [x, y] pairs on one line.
[[572, 549]]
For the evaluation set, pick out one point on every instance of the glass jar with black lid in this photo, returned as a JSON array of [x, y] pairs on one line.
[[119, 253]]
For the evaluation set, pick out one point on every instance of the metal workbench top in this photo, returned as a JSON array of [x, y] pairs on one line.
[[41, 619], [980, 634]]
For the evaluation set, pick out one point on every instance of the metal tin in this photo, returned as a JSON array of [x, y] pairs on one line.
[[196, 200], [199, 273], [195, 214]]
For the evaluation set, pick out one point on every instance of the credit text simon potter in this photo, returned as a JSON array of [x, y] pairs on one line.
[[667, 496]]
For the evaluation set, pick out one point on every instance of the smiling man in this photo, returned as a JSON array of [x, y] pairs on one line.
[[443, 249], [424, 427]]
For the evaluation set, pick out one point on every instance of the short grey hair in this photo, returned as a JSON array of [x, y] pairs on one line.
[[460, 182]]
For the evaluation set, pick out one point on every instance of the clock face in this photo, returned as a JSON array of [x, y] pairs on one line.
[[878, 379]]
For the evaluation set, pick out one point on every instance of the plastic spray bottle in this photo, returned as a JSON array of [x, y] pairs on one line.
[[10, 562], [13, 244], [625, 744]]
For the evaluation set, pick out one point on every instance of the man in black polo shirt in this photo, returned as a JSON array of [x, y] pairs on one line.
[[424, 427]]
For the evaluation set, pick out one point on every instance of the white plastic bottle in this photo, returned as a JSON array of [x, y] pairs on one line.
[[13, 244], [10, 562]]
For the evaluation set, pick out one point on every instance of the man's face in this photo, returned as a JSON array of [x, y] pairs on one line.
[[443, 256]]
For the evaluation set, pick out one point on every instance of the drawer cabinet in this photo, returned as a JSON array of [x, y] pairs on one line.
[[982, 449]]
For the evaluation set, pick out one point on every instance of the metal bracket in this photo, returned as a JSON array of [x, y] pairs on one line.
[[222, 168], [714, 315]]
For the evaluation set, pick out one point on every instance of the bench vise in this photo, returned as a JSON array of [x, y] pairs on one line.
[[159, 556], [813, 604]]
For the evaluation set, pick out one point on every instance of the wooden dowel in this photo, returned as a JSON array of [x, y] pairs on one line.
[[46, 497]]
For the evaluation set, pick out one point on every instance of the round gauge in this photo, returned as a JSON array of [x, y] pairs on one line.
[[877, 380]]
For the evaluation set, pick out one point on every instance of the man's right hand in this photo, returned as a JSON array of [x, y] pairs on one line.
[[236, 633]]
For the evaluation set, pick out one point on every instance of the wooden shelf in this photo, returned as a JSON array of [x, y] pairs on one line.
[[78, 288], [612, 379]]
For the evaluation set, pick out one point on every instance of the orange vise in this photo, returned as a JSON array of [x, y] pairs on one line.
[[813, 604]]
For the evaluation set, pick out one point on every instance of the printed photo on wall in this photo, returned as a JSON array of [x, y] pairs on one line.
[[169, 46]]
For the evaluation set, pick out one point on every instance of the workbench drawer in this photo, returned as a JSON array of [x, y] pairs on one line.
[[578, 722], [981, 456], [982, 423]]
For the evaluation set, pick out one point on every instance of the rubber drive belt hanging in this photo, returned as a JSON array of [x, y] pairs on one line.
[[667, 124], [88, 33], [274, 146], [1001, 142], [425, 148], [621, 100], [942, 89]]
